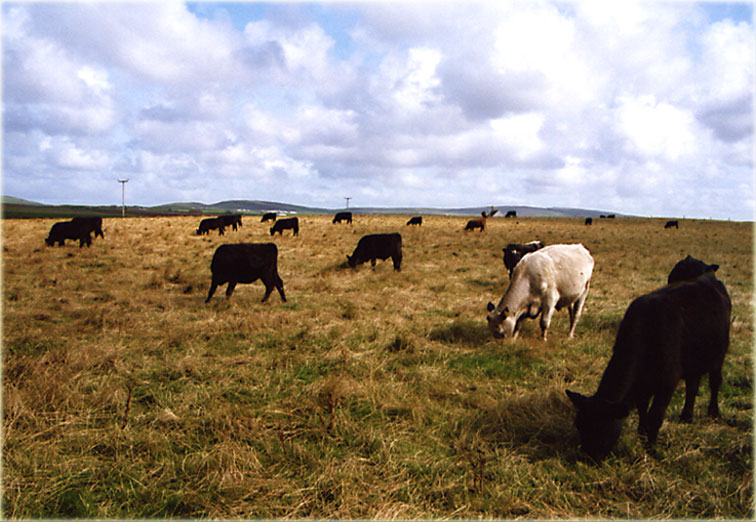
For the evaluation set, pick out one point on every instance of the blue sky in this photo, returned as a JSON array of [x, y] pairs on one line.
[[641, 108]]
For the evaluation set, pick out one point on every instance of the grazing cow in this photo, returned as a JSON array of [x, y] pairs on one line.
[[543, 281], [589, 221], [92, 224], [514, 252], [511, 214], [342, 216], [231, 220], [688, 269], [63, 230], [680, 331], [480, 223], [417, 220], [602, 216], [291, 223], [208, 224], [672, 223], [377, 246], [268, 216], [246, 263], [611, 216]]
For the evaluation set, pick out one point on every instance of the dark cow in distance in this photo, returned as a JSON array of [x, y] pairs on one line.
[[92, 224], [231, 220], [377, 246], [680, 331], [208, 224], [342, 216], [514, 252], [63, 230], [268, 216], [688, 269], [589, 221], [416, 220], [511, 214], [246, 263], [672, 223], [291, 223]]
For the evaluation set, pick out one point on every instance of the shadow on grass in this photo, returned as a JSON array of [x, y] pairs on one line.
[[461, 331]]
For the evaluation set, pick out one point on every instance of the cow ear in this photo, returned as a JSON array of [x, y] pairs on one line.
[[713, 268], [349, 258], [490, 306], [577, 399]]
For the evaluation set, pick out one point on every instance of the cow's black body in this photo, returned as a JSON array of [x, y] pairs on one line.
[[246, 263], [377, 246]]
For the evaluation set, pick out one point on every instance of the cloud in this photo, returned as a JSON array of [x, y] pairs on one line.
[[633, 105]]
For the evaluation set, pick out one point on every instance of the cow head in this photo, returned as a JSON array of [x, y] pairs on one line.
[[351, 261], [599, 424], [689, 269], [501, 323]]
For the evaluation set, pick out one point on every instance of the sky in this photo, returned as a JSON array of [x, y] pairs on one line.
[[642, 108]]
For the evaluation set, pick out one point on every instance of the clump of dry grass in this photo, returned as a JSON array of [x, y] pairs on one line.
[[369, 394]]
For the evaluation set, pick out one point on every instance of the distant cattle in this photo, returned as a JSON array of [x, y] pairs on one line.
[[417, 220], [511, 214], [93, 224], [672, 223], [689, 269], [514, 252], [231, 220], [543, 281], [291, 223], [680, 331], [268, 216], [589, 221], [611, 216], [246, 263], [377, 246], [480, 223], [342, 216], [208, 224], [63, 230]]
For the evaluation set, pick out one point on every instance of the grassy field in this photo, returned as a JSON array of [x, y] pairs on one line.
[[369, 394]]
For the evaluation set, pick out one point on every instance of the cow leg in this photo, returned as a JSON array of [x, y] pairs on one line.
[[641, 404], [372, 262], [715, 380], [268, 289], [230, 289], [548, 311], [656, 413], [213, 286], [691, 390], [576, 310], [280, 288]]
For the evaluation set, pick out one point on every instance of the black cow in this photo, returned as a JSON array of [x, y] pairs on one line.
[[688, 269], [611, 216], [511, 214], [231, 220], [268, 216], [417, 220], [476, 223], [514, 252], [342, 216], [377, 246], [246, 263], [93, 224], [63, 230], [672, 223], [208, 224], [589, 221], [680, 331], [285, 224]]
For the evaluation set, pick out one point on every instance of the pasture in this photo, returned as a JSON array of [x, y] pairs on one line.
[[369, 394]]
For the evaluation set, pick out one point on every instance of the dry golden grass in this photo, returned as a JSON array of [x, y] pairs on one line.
[[369, 394]]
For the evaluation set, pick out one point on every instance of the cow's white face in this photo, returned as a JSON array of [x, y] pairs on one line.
[[502, 325]]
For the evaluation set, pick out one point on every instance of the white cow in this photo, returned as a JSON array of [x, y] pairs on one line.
[[543, 281]]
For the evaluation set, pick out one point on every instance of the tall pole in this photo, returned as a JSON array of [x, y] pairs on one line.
[[123, 194], [347, 200]]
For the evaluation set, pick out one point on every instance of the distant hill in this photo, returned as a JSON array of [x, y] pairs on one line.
[[19, 208]]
